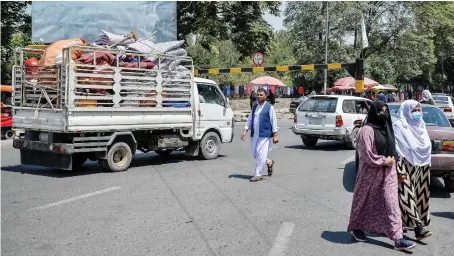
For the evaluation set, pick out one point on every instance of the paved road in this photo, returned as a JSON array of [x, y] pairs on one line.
[[183, 206]]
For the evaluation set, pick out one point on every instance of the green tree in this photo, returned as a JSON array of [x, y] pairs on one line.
[[238, 21], [14, 20], [436, 21], [397, 51]]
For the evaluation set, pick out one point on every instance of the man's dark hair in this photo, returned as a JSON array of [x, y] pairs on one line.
[[261, 90]]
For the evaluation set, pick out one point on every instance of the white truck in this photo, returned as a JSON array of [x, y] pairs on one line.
[[72, 112]]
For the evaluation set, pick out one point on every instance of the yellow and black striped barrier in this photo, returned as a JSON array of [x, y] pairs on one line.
[[355, 69], [309, 67]]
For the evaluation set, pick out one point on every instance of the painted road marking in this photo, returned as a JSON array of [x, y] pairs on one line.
[[282, 239], [348, 160], [75, 198]]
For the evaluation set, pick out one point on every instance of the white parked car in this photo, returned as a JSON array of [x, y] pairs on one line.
[[446, 104], [330, 117]]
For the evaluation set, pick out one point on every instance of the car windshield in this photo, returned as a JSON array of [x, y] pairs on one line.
[[441, 100], [432, 116], [319, 104]]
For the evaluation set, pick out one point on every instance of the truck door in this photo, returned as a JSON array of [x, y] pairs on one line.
[[214, 111]]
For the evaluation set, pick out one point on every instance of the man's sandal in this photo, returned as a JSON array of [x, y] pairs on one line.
[[255, 178], [270, 168]]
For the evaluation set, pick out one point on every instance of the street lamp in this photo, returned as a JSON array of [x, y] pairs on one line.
[[326, 49]]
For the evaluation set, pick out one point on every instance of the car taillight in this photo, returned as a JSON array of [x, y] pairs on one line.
[[447, 110], [294, 119], [339, 121], [448, 146]]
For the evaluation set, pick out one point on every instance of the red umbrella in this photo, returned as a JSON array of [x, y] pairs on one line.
[[267, 80], [340, 88], [349, 82]]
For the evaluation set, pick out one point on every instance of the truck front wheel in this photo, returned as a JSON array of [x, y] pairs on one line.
[[118, 159], [210, 146]]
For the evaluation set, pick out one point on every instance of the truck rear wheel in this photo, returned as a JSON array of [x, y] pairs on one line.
[[118, 159], [210, 146]]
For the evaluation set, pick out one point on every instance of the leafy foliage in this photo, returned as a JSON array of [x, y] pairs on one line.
[[16, 31], [238, 21], [408, 41]]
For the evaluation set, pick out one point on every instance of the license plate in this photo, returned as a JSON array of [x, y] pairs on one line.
[[315, 121]]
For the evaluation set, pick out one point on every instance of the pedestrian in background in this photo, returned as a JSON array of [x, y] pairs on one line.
[[382, 97], [414, 148], [375, 206], [271, 98], [426, 98], [252, 99], [262, 123]]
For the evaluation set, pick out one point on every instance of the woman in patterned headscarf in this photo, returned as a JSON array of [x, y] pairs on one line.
[[414, 148]]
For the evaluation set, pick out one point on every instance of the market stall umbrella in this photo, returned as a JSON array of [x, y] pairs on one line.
[[378, 88], [390, 87], [267, 80], [350, 82], [340, 88], [386, 87]]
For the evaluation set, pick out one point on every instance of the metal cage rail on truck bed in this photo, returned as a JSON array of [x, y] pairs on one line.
[[76, 96]]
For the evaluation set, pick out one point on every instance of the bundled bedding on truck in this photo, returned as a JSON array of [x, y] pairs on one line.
[[95, 69]]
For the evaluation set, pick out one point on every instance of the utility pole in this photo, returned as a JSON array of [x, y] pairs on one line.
[[326, 49]]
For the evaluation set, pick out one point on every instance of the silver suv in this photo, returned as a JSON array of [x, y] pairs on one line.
[[330, 117]]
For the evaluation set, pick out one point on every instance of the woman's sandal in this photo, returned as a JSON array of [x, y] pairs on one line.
[[270, 168]]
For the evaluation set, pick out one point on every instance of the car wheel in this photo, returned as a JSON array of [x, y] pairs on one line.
[[356, 160], [9, 134], [309, 141], [353, 139], [449, 182]]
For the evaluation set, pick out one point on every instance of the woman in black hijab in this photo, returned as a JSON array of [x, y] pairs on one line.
[[375, 206], [379, 119]]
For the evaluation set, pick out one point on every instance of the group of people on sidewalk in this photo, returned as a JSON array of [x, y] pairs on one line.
[[391, 193]]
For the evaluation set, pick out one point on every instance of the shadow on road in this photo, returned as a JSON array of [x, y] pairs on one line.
[[447, 215], [349, 177], [240, 176], [91, 167], [343, 237], [322, 146]]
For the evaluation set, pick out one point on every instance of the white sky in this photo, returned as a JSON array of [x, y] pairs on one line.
[[276, 22]]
